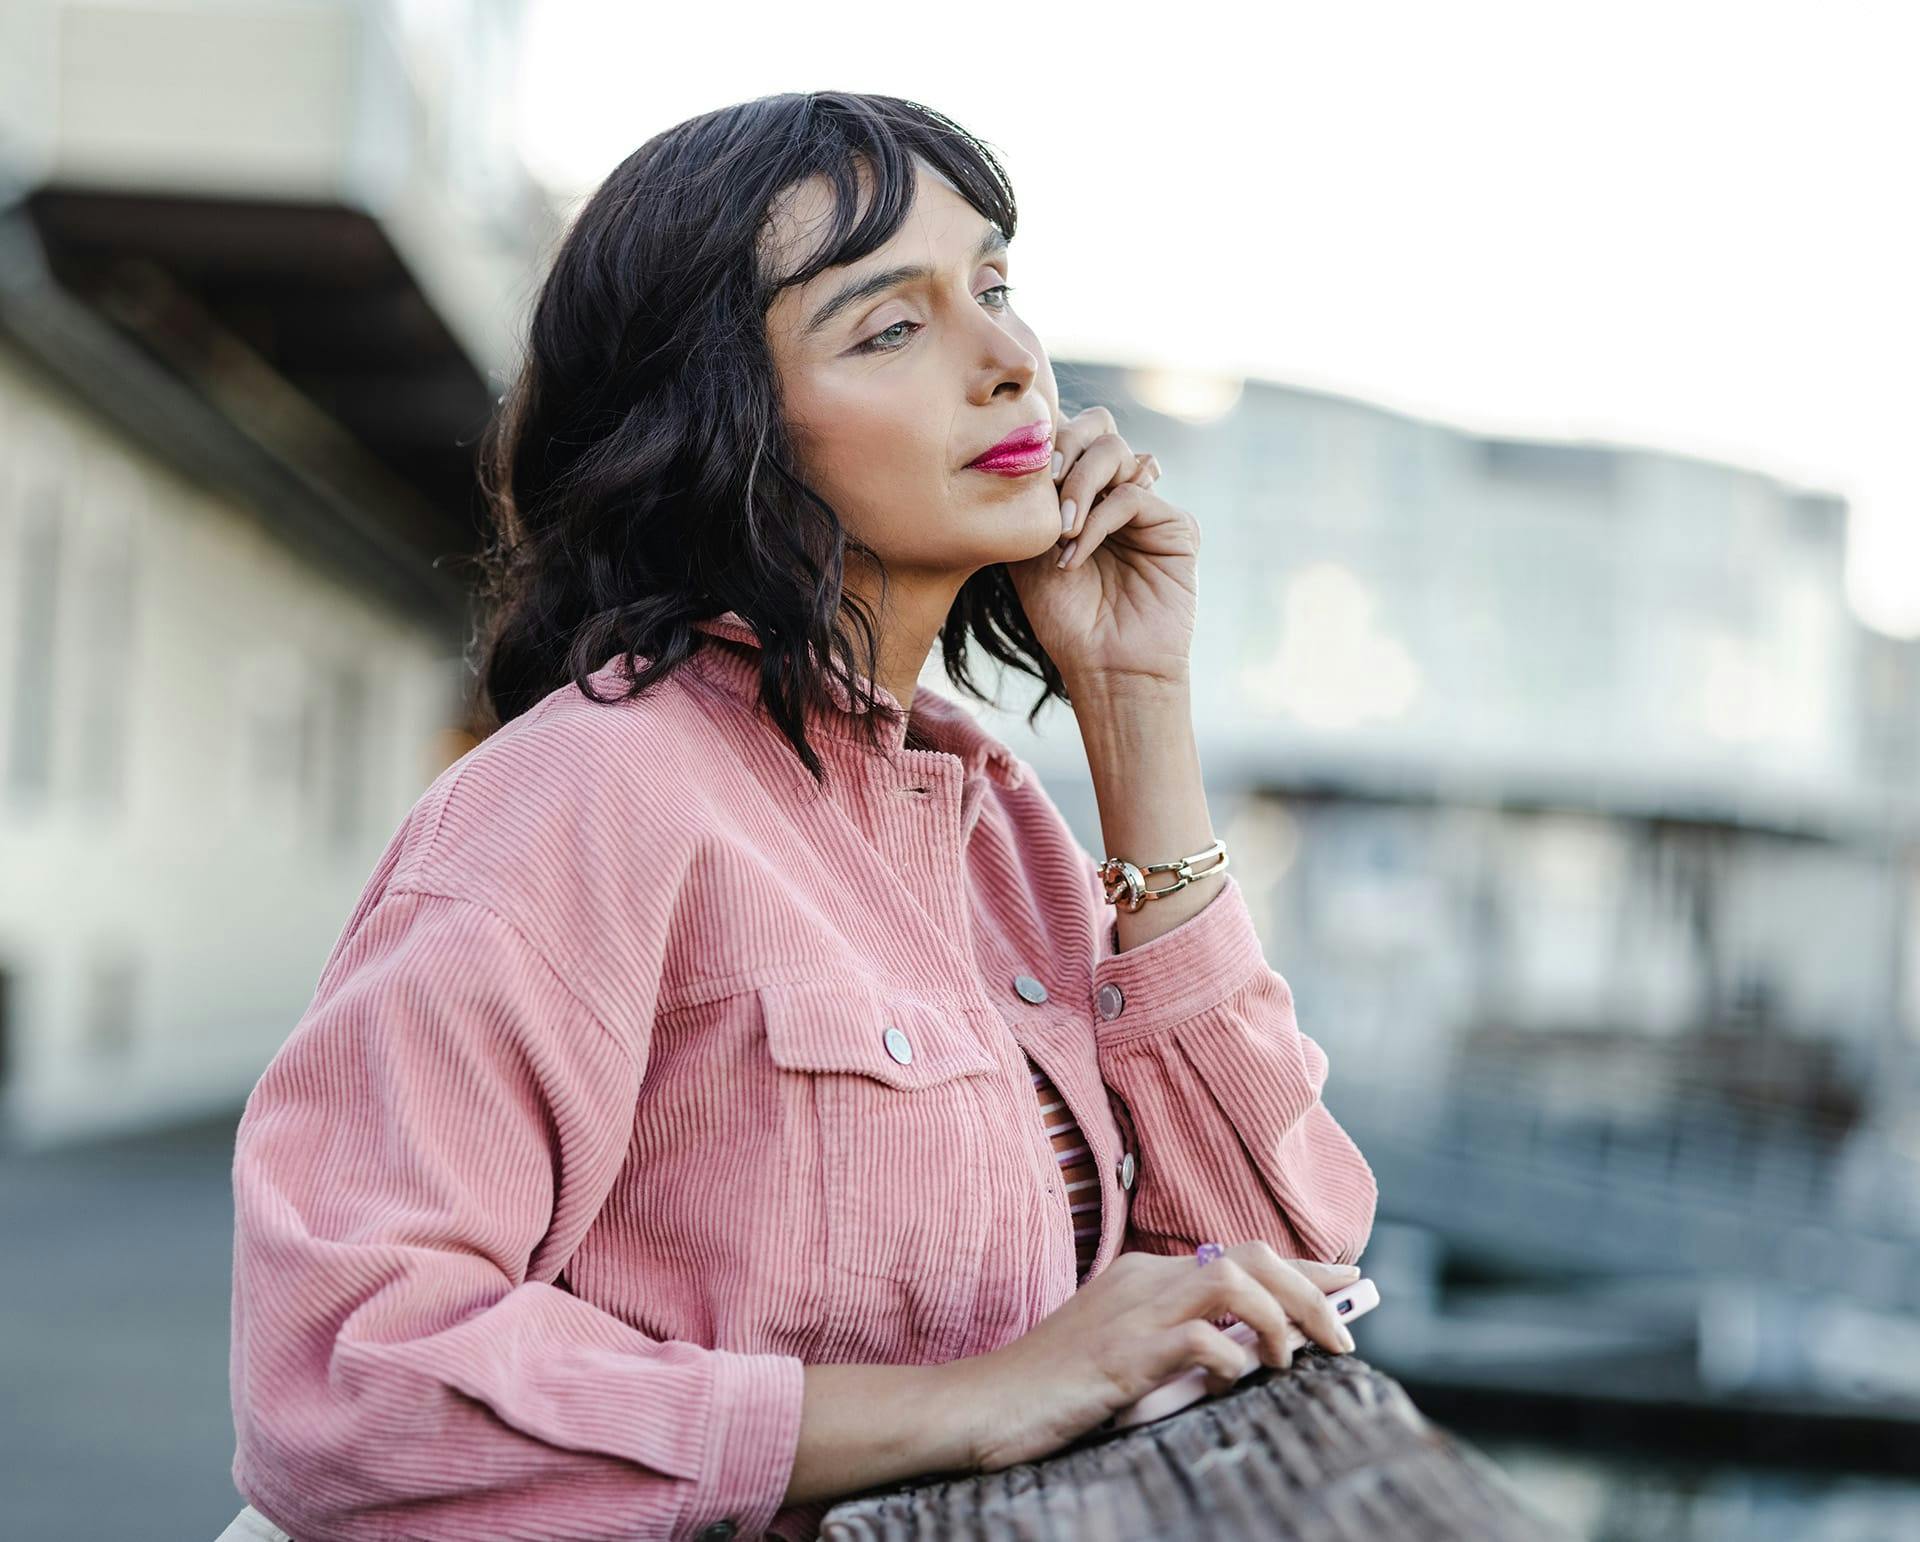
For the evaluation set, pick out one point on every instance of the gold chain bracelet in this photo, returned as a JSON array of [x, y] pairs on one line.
[[1127, 884]]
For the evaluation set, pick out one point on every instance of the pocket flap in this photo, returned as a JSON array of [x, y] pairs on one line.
[[842, 1025]]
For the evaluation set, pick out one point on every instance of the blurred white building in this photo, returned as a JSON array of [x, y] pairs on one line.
[[1521, 746], [1565, 764], [260, 265]]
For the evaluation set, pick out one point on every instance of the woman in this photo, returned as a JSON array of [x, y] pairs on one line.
[[693, 1121]]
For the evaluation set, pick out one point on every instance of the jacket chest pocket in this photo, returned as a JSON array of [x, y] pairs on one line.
[[893, 1088]]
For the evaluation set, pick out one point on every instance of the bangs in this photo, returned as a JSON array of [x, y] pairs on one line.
[[851, 141]]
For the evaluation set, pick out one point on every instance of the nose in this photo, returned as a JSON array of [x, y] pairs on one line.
[[1008, 363]]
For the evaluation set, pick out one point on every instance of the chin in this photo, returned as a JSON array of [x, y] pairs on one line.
[[1032, 530], [1015, 531], [1044, 536]]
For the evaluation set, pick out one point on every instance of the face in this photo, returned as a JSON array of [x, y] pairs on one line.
[[892, 394]]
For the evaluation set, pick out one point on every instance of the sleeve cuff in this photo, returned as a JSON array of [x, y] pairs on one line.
[[755, 1438], [1202, 962]]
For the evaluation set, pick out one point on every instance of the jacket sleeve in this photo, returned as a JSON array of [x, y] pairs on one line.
[[411, 1174], [1218, 1092]]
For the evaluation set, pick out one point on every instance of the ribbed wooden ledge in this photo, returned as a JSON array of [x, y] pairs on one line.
[[1329, 1450]]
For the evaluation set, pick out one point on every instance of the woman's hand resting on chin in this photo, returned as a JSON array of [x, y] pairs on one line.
[[1121, 611]]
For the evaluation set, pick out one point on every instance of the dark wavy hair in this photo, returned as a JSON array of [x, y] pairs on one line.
[[638, 472]]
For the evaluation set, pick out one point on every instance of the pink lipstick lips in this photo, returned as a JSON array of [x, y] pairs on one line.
[[1021, 453]]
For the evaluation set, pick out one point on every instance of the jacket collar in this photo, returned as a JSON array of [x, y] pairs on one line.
[[945, 724]]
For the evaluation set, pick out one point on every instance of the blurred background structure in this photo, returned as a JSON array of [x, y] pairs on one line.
[[1576, 802], [258, 267], [1581, 816]]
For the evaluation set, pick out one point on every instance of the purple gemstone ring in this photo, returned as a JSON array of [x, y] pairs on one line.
[[1207, 1252]]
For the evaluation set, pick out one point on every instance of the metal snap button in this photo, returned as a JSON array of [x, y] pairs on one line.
[[1110, 999], [898, 1047], [1126, 1171], [719, 1531], [1029, 988]]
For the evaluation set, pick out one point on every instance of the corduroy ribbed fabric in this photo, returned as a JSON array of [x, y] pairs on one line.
[[645, 1073]]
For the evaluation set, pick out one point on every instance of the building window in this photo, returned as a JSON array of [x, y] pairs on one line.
[[108, 1029], [36, 641], [6, 1028], [106, 599], [347, 745]]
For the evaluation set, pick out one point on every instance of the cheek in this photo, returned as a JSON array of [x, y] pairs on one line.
[[861, 438], [878, 429], [883, 457]]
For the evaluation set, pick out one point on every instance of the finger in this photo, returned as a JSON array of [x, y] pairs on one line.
[[1327, 1276], [1105, 463], [1115, 509], [1074, 434], [1303, 1298], [1225, 1285], [1197, 1343], [1149, 470]]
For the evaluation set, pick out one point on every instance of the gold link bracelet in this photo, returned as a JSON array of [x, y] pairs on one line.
[[1127, 884]]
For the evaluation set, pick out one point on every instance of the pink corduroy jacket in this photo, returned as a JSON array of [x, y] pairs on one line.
[[644, 1074]]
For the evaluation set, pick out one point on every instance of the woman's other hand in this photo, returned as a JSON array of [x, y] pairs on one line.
[[1142, 1320]]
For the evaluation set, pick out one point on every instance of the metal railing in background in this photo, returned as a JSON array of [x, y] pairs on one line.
[[1663, 1180]]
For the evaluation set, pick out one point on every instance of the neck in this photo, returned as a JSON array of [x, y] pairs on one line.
[[906, 633]]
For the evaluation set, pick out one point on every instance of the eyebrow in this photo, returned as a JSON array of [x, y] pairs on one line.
[[993, 239]]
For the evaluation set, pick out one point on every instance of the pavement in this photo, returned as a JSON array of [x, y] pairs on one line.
[[114, 1295]]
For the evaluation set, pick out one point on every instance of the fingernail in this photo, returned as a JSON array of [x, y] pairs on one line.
[[1346, 1339], [1066, 552], [1349, 1268], [1067, 509], [1057, 458]]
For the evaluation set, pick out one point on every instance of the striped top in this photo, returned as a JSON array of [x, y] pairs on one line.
[[1081, 1177]]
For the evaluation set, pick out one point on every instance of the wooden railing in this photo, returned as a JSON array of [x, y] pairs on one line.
[[1328, 1449]]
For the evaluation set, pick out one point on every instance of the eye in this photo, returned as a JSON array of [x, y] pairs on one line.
[[874, 344]]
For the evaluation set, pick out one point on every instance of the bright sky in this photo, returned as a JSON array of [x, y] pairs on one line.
[[1690, 225]]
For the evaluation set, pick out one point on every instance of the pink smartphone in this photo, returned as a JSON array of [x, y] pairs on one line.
[[1349, 1302]]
